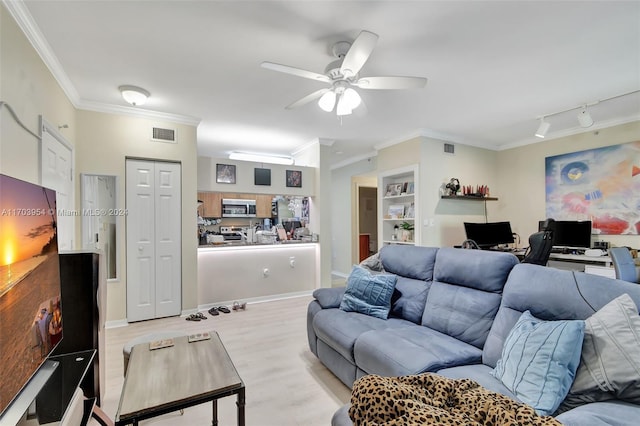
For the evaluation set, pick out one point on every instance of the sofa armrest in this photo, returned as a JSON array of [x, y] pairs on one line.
[[329, 297]]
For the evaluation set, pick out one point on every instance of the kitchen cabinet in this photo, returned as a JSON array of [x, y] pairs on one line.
[[263, 205], [212, 203]]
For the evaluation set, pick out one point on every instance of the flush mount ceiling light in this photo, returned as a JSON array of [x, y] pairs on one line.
[[261, 158], [543, 128], [584, 118], [134, 95]]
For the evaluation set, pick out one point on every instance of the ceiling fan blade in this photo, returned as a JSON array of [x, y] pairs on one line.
[[391, 83], [358, 53], [296, 71], [309, 98]]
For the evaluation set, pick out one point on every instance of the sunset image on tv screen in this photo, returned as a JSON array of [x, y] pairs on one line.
[[30, 306]]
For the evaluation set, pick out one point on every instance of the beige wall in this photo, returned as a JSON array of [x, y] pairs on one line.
[[441, 221], [29, 88], [245, 178], [522, 175], [104, 142], [101, 143]]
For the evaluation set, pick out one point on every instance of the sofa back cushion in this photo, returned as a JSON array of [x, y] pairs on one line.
[[550, 294], [466, 292], [415, 262], [414, 267]]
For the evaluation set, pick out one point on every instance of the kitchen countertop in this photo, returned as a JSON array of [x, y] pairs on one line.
[[232, 244]]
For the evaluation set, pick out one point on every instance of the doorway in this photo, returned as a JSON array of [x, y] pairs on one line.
[[367, 222], [154, 239]]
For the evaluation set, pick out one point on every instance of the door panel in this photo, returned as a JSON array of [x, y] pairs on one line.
[[154, 271], [140, 241], [168, 240], [56, 160]]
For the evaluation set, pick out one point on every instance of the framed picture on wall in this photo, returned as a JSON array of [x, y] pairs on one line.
[[225, 173], [294, 178], [262, 176]]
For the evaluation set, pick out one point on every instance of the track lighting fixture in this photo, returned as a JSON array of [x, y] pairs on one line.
[[543, 128], [584, 118]]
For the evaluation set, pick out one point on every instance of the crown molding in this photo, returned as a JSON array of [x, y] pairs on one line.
[[23, 18], [354, 159], [137, 112], [570, 132]]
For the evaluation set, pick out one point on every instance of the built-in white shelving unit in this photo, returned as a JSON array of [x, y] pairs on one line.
[[397, 204]]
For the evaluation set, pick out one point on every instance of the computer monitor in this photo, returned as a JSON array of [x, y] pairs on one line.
[[490, 234], [570, 233]]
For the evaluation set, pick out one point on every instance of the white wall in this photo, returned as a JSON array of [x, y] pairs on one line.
[[341, 205], [104, 143], [522, 174], [29, 88], [245, 178]]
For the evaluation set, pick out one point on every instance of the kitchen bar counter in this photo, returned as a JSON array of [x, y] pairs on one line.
[[233, 244], [241, 271]]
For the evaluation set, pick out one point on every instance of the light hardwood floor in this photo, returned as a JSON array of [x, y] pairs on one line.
[[285, 383]]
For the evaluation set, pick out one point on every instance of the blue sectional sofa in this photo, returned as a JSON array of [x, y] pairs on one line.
[[450, 314]]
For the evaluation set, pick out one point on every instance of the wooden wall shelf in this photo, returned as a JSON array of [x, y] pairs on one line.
[[464, 197]]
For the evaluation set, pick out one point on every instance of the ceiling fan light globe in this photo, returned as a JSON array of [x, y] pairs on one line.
[[327, 101], [343, 107], [351, 98]]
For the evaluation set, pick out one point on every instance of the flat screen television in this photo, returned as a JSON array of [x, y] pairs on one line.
[[490, 234], [30, 306], [570, 233]]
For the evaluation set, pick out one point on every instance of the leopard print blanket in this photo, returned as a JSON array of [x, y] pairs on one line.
[[430, 399]]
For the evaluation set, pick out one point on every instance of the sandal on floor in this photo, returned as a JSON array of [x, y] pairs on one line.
[[201, 316], [193, 317], [224, 309], [237, 306], [214, 311]]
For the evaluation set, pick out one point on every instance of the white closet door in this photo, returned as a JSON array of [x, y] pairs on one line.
[[154, 261], [140, 240], [168, 242]]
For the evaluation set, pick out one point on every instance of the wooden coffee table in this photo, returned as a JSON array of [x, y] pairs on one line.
[[164, 380]]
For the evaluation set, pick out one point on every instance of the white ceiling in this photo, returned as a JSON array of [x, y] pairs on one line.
[[493, 67]]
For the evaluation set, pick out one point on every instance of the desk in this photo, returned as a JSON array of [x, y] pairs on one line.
[[573, 262]]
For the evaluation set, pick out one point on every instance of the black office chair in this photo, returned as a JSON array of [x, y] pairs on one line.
[[623, 264], [540, 245]]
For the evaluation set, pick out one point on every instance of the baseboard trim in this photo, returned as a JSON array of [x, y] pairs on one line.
[[116, 323], [261, 299]]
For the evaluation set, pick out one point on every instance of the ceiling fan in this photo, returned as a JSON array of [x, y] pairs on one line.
[[343, 77]]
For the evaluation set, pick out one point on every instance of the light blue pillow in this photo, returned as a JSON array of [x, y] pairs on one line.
[[539, 361], [368, 293]]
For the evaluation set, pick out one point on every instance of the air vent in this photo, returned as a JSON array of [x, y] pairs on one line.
[[449, 148], [163, 135]]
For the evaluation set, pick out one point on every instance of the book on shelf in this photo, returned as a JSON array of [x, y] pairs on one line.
[[411, 212]]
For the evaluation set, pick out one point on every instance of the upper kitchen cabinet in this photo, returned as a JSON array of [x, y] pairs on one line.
[[211, 204], [263, 205]]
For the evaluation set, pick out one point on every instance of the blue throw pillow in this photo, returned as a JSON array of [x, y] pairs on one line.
[[539, 360], [368, 293]]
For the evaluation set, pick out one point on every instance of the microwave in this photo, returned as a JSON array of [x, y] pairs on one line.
[[238, 208]]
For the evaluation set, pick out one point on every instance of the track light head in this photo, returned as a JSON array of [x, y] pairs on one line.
[[543, 128], [584, 118]]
